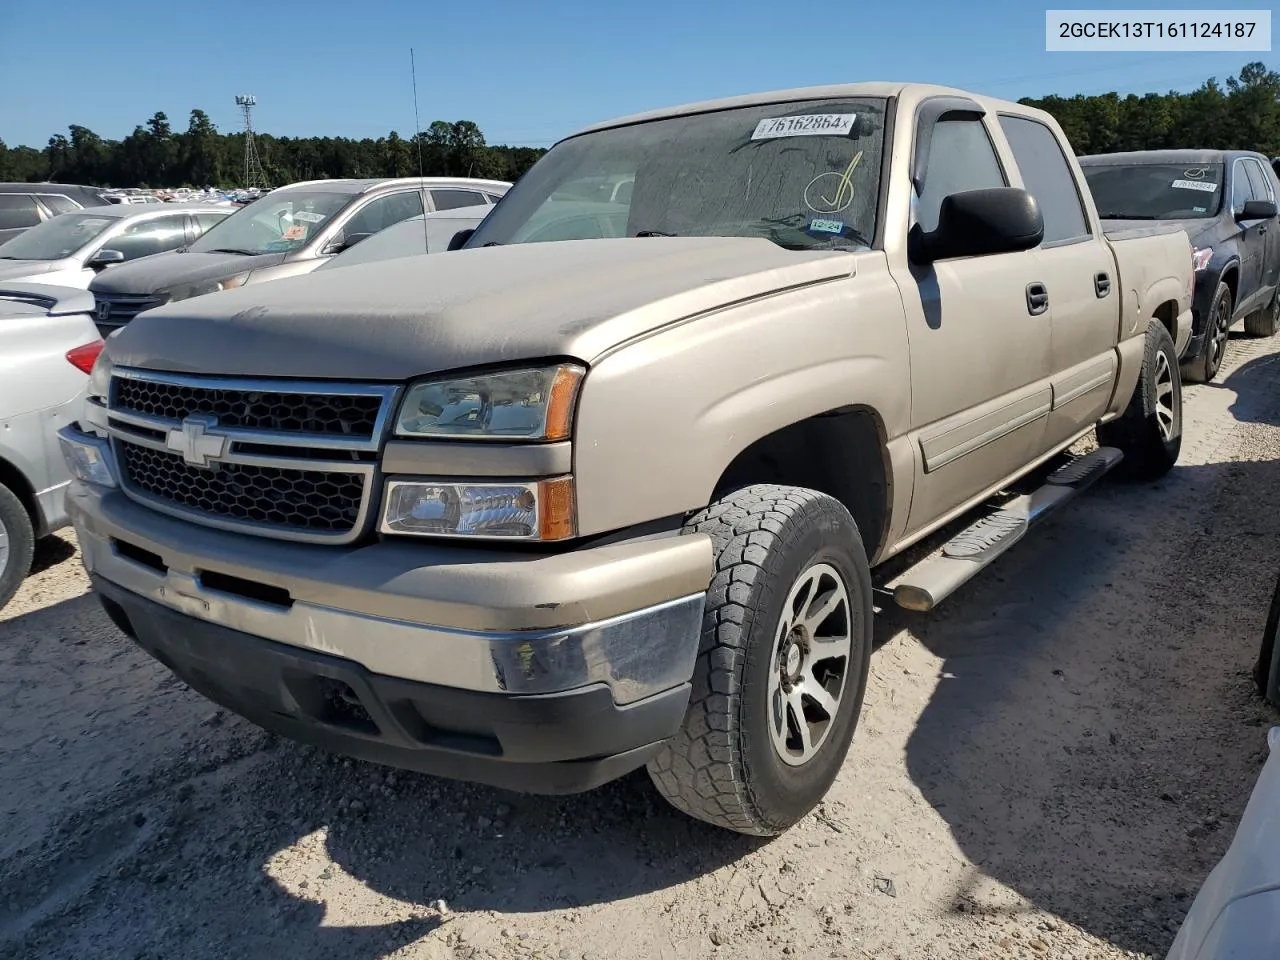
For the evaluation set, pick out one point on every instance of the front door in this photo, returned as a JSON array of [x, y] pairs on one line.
[[1263, 188], [979, 342], [1252, 243]]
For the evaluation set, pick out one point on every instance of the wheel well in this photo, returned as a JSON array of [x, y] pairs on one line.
[[1167, 313], [11, 477], [841, 453], [1231, 277]]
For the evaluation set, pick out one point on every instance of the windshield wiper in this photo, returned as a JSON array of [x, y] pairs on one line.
[[655, 233], [243, 253], [1125, 216]]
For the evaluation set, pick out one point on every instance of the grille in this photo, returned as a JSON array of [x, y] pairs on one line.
[[114, 311], [322, 414], [311, 501]]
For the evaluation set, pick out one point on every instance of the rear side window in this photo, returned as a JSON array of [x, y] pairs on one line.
[[1047, 177], [207, 220], [58, 203], [18, 210], [961, 158], [453, 199]]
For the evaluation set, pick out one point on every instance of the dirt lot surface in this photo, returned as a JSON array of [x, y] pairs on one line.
[[1047, 767]]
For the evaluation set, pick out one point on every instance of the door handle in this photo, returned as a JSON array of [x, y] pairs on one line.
[[1101, 284], [1037, 298]]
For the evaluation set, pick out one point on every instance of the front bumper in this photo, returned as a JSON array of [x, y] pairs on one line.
[[473, 663], [544, 743]]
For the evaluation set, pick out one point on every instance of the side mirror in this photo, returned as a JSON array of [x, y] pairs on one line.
[[1257, 210], [978, 223], [459, 238], [105, 258], [346, 243]]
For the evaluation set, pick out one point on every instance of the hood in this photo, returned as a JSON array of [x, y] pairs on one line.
[[404, 318], [163, 270], [14, 269], [1201, 230]]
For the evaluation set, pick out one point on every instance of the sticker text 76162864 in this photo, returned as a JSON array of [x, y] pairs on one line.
[[810, 125]]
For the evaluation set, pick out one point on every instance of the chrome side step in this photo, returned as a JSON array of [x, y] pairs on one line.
[[937, 576]]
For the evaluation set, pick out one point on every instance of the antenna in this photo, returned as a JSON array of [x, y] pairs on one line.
[[253, 175], [417, 136]]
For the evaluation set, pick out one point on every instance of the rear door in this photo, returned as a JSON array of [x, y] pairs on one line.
[[980, 393], [1080, 276]]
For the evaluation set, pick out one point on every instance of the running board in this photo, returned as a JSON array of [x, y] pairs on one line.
[[933, 579]]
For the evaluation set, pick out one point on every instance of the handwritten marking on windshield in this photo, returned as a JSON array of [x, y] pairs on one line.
[[822, 195]]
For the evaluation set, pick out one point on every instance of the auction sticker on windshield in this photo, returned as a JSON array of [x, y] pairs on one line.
[[810, 125], [1195, 185]]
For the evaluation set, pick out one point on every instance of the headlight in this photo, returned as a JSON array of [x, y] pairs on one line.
[[188, 290], [100, 378], [1201, 258], [537, 510], [88, 457], [530, 404]]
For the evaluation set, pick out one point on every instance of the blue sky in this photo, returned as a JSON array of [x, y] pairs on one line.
[[525, 72]]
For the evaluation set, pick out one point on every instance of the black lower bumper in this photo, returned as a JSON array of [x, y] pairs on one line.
[[549, 743]]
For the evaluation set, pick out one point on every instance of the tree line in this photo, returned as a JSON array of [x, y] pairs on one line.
[[1242, 113], [156, 155]]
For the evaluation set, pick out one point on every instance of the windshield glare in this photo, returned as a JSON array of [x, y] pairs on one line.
[[276, 223], [805, 175], [1155, 191], [57, 238]]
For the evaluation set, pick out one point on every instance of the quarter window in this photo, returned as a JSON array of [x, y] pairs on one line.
[[961, 158], [1047, 177]]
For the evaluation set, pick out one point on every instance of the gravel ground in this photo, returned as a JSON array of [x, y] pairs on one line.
[[1049, 766]]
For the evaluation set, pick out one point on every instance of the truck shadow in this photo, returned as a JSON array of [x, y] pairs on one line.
[[1093, 736]]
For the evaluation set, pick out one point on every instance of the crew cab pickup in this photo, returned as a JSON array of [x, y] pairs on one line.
[[537, 514]]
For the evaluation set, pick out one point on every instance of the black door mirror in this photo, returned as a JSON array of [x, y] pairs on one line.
[[976, 223], [1257, 210], [105, 258], [459, 238], [346, 242]]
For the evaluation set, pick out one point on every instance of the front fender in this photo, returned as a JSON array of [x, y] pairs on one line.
[[660, 419]]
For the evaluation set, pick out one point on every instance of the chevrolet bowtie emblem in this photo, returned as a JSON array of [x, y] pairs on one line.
[[194, 441]]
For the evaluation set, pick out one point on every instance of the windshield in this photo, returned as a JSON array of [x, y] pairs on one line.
[[804, 175], [276, 223], [57, 238], [1155, 191]]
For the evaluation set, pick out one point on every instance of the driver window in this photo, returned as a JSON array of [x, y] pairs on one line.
[[149, 237], [1240, 189], [961, 158], [383, 212]]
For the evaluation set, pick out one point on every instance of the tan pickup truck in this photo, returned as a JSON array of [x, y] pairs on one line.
[[610, 485]]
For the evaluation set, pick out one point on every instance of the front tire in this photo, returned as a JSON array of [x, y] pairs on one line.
[[782, 666], [17, 544], [1217, 331], [1149, 432]]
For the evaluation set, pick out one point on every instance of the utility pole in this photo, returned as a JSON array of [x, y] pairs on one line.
[[253, 175]]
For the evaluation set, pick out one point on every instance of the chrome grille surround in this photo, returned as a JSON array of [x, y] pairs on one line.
[[274, 472]]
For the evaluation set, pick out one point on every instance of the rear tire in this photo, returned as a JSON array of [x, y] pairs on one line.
[[1149, 432], [1266, 322], [1217, 330], [17, 544], [782, 666]]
